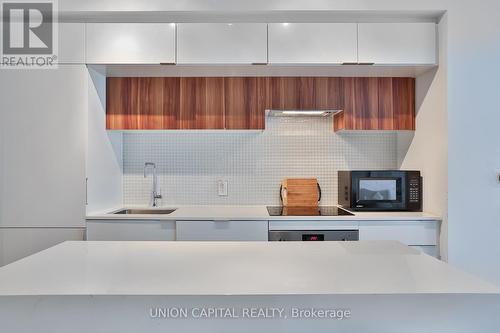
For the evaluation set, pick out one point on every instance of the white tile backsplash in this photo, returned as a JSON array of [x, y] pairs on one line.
[[190, 163]]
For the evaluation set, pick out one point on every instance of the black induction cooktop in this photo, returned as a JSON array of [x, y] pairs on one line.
[[307, 211]]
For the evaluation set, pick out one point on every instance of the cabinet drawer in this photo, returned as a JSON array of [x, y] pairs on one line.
[[130, 230], [221, 230], [406, 232]]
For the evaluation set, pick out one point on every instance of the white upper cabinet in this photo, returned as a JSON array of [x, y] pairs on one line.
[[397, 43], [315, 43], [130, 43], [71, 43], [221, 43]]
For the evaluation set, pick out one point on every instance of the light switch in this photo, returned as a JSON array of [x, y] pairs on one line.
[[222, 188]]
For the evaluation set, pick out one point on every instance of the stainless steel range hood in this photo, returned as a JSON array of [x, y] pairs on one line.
[[301, 113]]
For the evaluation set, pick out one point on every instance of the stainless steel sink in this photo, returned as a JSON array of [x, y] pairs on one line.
[[145, 211]]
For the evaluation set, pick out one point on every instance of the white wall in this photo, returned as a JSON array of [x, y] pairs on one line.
[[104, 162], [427, 148], [474, 138]]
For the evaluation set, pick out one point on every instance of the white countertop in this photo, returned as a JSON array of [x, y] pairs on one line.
[[214, 212], [235, 268]]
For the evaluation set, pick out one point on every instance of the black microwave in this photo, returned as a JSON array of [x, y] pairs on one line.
[[387, 190]]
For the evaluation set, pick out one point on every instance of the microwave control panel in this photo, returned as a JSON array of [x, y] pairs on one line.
[[414, 189]]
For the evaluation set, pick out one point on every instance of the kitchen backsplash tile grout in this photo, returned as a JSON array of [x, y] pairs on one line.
[[189, 164]]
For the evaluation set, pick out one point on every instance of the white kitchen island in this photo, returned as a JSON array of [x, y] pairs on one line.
[[364, 286]]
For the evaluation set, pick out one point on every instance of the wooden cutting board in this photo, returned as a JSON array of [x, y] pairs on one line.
[[302, 192]]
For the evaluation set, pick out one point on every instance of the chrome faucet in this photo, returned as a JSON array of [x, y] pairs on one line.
[[155, 194]]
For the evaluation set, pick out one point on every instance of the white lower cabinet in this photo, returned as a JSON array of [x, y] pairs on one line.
[[130, 230], [221, 230], [422, 235]]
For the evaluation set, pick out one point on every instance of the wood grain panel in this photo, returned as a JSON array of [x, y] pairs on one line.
[[134, 103], [403, 90], [305, 87], [147, 101], [377, 104], [265, 98], [275, 93], [212, 115], [323, 89], [305, 93], [171, 102], [367, 102], [289, 93], [347, 116], [116, 103], [201, 103], [385, 104], [141, 103], [339, 121], [334, 96], [191, 99], [245, 102]]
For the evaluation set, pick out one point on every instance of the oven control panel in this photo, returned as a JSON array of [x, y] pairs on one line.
[[313, 236]]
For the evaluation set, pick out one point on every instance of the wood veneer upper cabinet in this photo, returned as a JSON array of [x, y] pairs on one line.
[[246, 99], [365, 112], [143, 103], [154, 103], [403, 98], [305, 93], [383, 103], [202, 103]]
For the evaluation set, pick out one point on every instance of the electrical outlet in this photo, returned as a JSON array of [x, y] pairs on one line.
[[222, 188]]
